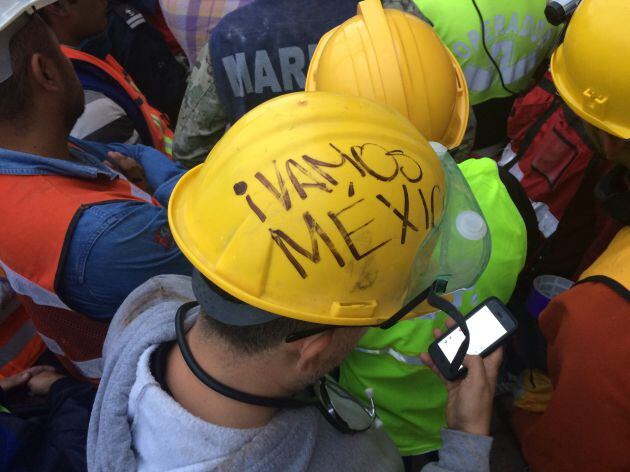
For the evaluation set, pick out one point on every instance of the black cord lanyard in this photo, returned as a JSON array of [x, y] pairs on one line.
[[323, 402], [215, 384]]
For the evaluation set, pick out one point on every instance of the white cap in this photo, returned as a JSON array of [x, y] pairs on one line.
[[471, 225], [11, 11]]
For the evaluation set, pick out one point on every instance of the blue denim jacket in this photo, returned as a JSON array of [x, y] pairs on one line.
[[116, 246]]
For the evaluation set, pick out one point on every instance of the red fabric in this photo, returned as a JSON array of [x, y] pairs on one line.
[[526, 110], [159, 23], [587, 423], [554, 158], [159, 132], [551, 148]]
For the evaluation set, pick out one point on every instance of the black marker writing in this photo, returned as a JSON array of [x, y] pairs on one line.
[[435, 187], [240, 188], [347, 235], [287, 243], [300, 186], [404, 216], [281, 193]]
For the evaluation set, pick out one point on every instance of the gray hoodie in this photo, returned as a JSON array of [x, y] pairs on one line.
[[135, 425]]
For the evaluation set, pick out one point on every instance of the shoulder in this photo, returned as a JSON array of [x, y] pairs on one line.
[[587, 308], [128, 14]]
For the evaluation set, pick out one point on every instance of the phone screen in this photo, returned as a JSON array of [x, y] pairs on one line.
[[484, 329]]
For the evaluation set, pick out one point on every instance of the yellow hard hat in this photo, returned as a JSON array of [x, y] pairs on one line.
[[315, 206], [590, 68], [396, 59]]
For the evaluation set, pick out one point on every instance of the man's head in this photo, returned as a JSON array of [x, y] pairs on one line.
[[74, 21], [43, 84], [302, 361], [591, 73], [317, 210]]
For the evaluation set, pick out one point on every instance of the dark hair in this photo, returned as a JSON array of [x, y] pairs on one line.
[[16, 94], [254, 339]]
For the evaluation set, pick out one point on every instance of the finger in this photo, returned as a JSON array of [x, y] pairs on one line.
[[450, 322], [437, 333], [123, 161], [16, 380], [38, 369], [492, 364], [475, 366], [426, 358], [117, 156]]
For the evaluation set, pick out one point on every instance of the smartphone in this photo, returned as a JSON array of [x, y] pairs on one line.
[[489, 325]]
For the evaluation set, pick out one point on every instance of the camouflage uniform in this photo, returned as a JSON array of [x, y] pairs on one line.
[[202, 119]]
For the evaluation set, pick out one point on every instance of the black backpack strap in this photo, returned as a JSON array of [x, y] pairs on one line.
[[612, 284]]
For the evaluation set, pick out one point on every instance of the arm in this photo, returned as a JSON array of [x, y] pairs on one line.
[[466, 444], [462, 452], [202, 119], [65, 439], [115, 248], [56, 442], [161, 173]]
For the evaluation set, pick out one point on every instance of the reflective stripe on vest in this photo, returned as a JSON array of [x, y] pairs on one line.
[[518, 37], [20, 346], [42, 210], [156, 122]]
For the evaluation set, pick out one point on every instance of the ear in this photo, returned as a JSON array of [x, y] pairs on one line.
[[46, 73], [310, 351]]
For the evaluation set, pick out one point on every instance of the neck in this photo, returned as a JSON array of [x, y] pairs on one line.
[[46, 138], [64, 37], [252, 374]]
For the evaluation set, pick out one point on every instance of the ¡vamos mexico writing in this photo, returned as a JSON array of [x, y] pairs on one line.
[[299, 177]]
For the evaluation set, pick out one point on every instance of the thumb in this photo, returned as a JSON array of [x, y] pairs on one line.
[[475, 366]]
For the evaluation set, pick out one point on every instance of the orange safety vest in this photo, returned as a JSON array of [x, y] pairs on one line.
[[157, 122], [41, 212], [20, 346]]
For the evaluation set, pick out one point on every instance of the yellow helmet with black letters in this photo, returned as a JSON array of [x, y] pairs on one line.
[[326, 208]]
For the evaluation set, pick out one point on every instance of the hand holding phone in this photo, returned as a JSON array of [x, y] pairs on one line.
[[489, 325], [469, 407]]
